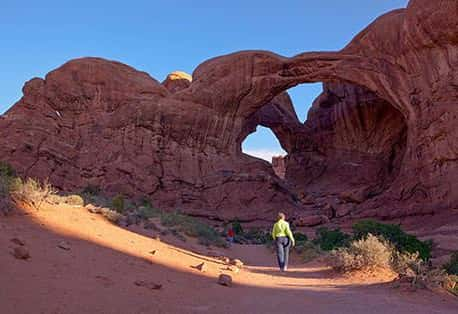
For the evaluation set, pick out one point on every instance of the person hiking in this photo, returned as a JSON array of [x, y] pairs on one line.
[[284, 239], [230, 235]]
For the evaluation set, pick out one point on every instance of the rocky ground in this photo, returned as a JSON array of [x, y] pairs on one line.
[[64, 259]]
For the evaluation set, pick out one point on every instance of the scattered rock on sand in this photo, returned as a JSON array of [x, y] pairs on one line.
[[237, 263], [64, 245], [18, 241], [148, 284], [93, 209], [201, 267], [153, 252], [225, 280], [21, 253], [224, 259], [232, 269]]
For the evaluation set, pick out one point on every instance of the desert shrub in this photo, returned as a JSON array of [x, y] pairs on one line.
[[257, 236], [91, 189], [366, 253], [31, 191], [401, 240], [307, 250], [147, 212], [406, 264], [300, 237], [192, 227], [451, 267], [74, 200], [117, 203], [451, 284], [419, 272], [329, 240]]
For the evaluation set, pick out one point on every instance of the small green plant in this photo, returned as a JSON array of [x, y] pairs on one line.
[[192, 227], [91, 190], [257, 236], [403, 241], [6, 170], [118, 203], [451, 267], [329, 240], [147, 212]]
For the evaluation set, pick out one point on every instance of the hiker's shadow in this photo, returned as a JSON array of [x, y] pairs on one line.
[[297, 273]]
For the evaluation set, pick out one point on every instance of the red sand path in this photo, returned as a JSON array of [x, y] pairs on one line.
[[97, 275]]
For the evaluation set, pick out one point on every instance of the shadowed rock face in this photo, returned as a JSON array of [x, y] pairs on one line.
[[384, 127]]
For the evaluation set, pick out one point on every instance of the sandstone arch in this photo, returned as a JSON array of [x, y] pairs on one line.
[[94, 121]]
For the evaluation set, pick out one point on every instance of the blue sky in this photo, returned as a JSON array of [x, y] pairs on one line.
[[162, 36]]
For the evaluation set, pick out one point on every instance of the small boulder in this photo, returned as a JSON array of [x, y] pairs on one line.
[[148, 284], [201, 267], [93, 209], [224, 259], [21, 253], [64, 245], [237, 263], [153, 252], [18, 241], [225, 280]]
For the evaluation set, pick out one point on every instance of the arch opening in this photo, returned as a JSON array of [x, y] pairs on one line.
[[351, 139]]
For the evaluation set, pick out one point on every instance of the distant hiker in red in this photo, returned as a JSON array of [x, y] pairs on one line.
[[283, 238], [230, 235]]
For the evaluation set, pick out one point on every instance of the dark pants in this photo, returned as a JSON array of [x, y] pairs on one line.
[[283, 244]]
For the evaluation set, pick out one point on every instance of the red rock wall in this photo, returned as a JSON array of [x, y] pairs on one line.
[[98, 122]]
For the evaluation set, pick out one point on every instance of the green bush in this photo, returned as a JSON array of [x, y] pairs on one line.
[[257, 236], [402, 241], [118, 203], [91, 189], [6, 170], [329, 240], [192, 227], [452, 266], [147, 212], [300, 237], [7, 174]]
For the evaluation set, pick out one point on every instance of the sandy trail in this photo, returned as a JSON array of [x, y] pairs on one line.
[[98, 274]]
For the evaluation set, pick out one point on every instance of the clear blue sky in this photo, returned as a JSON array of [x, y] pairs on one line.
[[161, 36]]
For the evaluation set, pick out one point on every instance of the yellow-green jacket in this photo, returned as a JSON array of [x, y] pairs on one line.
[[281, 229]]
